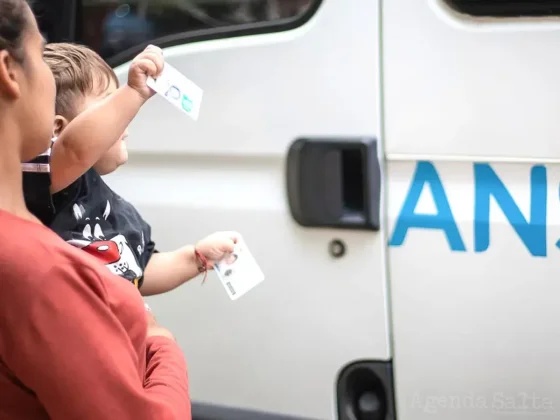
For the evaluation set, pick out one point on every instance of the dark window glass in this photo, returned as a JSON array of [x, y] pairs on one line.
[[507, 8], [116, 28], [54, 18]]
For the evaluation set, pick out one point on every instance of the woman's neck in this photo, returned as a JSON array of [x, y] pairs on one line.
[[11, 178]]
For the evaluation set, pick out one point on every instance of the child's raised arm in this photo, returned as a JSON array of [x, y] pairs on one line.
[[84, 140]]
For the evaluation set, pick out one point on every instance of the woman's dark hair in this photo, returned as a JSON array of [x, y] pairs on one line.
[[13, 21]]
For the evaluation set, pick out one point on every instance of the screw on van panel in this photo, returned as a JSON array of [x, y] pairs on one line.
[[337, 248]]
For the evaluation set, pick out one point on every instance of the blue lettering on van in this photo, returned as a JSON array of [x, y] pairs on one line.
[[532, 232], [426, 174], [487, 184]]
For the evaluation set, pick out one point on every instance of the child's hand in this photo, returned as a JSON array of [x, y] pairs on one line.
[[216, 246], [148, 63]]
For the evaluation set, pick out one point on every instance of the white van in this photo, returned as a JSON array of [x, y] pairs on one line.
[[393, 166]]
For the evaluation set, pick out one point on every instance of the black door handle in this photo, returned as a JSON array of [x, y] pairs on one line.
[[334, 183]]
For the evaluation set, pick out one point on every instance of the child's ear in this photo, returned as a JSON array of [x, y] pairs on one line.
[[60, 124]]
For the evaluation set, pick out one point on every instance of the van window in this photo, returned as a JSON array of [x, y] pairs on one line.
[[119, 29], [54, 17], [507, 8]]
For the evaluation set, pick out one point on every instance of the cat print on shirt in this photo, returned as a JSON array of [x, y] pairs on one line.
[[114, 251]]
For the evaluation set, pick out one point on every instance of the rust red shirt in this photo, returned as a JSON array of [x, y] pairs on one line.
[[73, 337]]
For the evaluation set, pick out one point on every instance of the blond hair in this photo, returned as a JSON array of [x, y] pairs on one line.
[[78, 71]]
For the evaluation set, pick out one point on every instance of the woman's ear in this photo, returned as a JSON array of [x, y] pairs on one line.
[[60, 124], [9, 85]]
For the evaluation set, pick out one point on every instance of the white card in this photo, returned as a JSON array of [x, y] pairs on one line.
[[177, 89], [239, 271]]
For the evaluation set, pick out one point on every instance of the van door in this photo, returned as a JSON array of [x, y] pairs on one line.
[[471, 107], [273, 72]]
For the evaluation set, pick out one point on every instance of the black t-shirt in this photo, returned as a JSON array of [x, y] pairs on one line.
[[91, 216]]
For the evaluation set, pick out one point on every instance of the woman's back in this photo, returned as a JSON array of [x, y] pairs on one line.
[[52, 299]]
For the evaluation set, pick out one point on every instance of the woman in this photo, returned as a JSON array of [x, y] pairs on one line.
[[75, 341]]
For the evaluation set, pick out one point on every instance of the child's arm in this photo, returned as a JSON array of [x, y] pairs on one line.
[[167, 270], [80, 145]]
